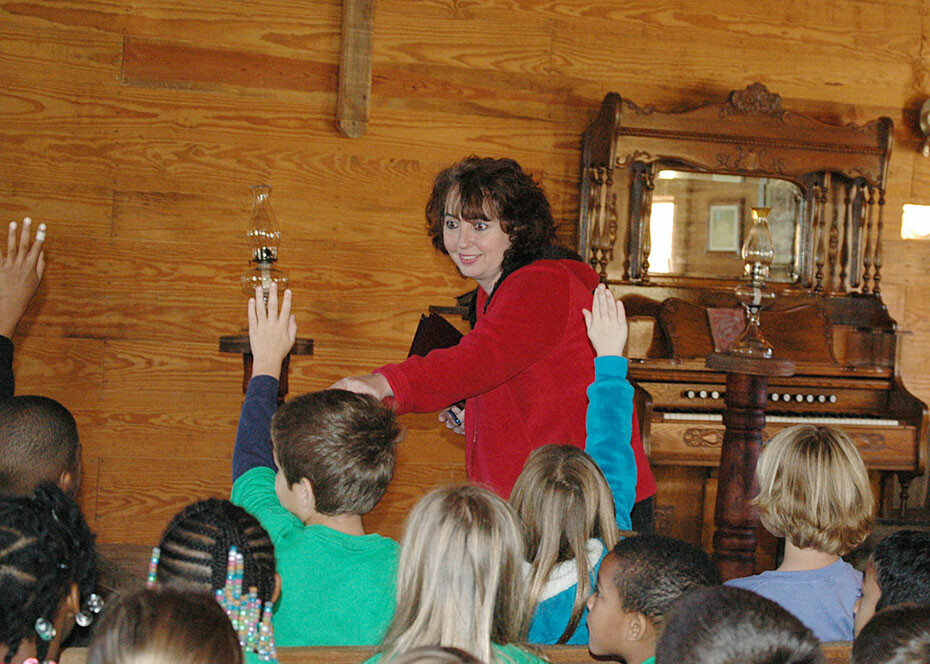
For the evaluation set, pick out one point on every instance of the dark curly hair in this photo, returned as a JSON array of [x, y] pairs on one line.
[[898, 635], [195, 549], [654, 571], [482, 188], [45, 547], [723, 625]]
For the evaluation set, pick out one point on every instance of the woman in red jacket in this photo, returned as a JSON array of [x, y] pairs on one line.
[[524, 368]]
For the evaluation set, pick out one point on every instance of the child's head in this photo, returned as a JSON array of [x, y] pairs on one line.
[[898, 572], [814, 490], [217, 548], [563, 500], [896, 635], [164, 626], [636, 586], [335, 451], [460, 580], [38, 443], [47, 572], [194, 550], [723, 625]]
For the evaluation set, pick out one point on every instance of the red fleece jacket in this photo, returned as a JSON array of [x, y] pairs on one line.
[[523, 369]]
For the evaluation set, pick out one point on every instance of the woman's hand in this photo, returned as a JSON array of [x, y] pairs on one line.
[[374, 384], [606, 323], [449, 417], [271, 334]]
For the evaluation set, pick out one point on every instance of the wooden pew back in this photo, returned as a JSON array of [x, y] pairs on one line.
[[834, 653]]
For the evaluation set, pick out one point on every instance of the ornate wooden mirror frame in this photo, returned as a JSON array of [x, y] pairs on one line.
[[840, 170]]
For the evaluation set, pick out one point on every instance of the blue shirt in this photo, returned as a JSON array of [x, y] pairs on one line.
[[823, 599]]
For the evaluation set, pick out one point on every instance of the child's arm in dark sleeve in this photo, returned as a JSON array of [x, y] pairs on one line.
[[253, 437], [7, 383], [271, 337]]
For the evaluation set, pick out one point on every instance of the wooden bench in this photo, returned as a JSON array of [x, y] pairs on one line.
[[834, 653]]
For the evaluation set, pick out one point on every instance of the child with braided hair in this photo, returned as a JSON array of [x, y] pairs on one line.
[[47, 574], [217, 548]]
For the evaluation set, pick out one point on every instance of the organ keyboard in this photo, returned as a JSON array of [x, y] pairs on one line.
[[846, 375]]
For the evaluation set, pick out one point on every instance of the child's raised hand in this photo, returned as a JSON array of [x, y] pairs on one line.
[[271, 334], [20, 273], [606, 323]]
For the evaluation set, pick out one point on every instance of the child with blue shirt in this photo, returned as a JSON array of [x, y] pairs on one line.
[[564, 502], [814, 491], [308, 473]]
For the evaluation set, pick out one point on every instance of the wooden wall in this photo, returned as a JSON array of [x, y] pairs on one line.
[[134, 127]]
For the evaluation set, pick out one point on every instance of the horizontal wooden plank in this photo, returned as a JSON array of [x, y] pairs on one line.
[[285, 28], [185, 66]]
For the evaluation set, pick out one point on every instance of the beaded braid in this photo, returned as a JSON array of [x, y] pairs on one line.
[[45, 546], [218, 547], [194, 548]]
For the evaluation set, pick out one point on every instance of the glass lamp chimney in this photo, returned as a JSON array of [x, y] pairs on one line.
[[264, 236]]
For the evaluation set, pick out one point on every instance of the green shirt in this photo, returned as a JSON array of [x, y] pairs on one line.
[[336, 589], [508, 654]]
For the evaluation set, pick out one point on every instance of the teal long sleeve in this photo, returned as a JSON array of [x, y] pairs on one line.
[[609, 423]]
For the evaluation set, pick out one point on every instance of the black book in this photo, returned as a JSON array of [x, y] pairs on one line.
[[434, 332]]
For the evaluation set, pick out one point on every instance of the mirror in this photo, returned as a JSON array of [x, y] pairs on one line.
[[698, 222], [665, 196]]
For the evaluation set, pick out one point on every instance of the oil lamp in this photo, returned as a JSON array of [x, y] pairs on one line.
[[264, 236], [757, 253]]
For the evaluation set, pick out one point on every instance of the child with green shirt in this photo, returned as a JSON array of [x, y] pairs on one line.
[[308, 473]]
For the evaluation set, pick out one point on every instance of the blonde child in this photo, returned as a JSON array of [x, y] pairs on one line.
[[813, 491], [568, 512], [460, 581]]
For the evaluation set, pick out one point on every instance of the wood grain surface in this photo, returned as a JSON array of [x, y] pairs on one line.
[[133, 129]]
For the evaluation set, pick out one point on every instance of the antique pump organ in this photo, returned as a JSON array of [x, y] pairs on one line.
[[665, 200]]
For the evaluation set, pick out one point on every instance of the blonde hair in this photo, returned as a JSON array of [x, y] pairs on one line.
[[814, 489], [563, 500], [460, 581]]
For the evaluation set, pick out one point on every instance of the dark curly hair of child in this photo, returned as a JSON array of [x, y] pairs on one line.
[[195, 549], [46, 552]]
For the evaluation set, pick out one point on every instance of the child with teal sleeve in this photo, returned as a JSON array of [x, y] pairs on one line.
[[564, 501], [308, 473]]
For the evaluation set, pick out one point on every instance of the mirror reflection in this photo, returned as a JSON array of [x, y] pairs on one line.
[[698, 222]]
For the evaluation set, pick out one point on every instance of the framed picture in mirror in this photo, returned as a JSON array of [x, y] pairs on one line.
[[724, 221]]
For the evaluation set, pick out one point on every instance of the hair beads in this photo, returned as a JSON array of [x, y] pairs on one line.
[[250, 617], [153, 568]]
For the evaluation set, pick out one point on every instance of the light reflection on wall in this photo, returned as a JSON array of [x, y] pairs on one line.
[[915, 222], [661, 223]]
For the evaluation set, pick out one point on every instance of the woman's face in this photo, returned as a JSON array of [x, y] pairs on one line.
[[477, 247]]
